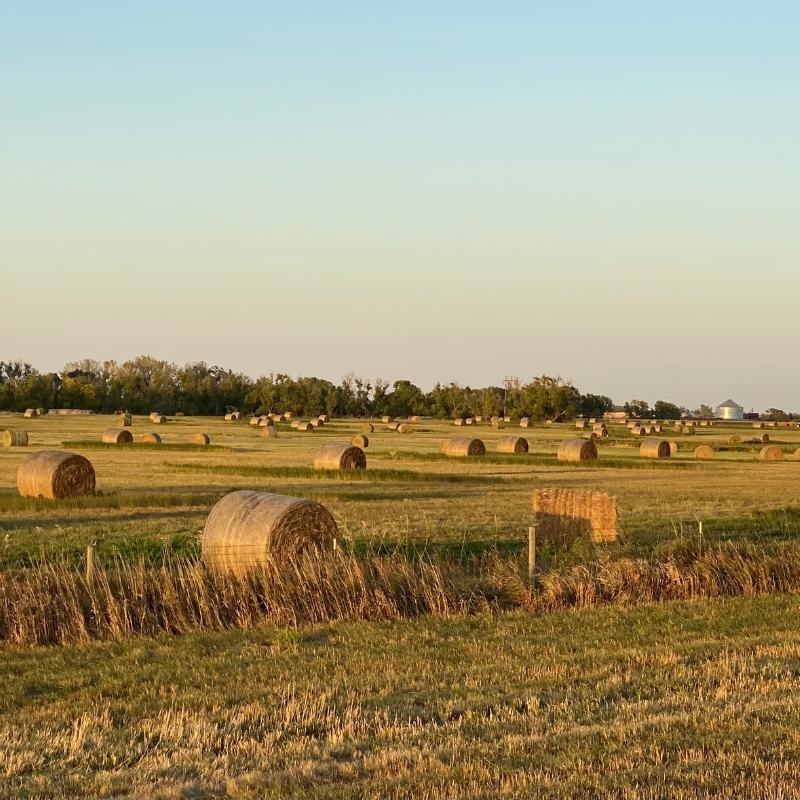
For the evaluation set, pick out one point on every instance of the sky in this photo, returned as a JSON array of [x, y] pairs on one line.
[[421, 190]]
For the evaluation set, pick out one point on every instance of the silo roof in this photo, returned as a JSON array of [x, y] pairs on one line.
[[729, 404]]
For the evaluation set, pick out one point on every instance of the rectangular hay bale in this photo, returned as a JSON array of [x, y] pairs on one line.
[[565, 515]]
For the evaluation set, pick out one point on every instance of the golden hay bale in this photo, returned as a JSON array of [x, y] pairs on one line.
[[404, 428], [735, 440], [565, 515], [40, 412], [325, 418], [602, 433], [469, 421], [638, 431], [758, 424], [295, 423], [678, 428], [498, 423], [55, 474], [463, 446], [478, 419], [506, 419], [704, 451], [15, 437], [150, 438], [288, 414], [771, 453], [386, 420], [392, 426], [512, 444], [265, 422], [797, 454], [768, 424], [657, 428], [179, 414], [368, 427], [117, 436], [525, 422], [632, 424], [31, 413], [337, 455], [761, 439], [159, 419], [200, 438], [305, 426], [673, 448], [599, 426], [250, 529], [360, 440], [228, 417], [591, 435], [416, 418], [592, 420], [317, 423], [126, 420], [255, 420], [581, 423], [269, 432], [158, 414], [655, 448], [688, 430], [577, 450], [459, 423]]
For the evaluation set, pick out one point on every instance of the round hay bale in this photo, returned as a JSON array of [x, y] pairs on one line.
[[15, 437], [632, 424], [797, 454], [386, 420], [360, 440], [125, 420], [591, 435], [688, 430], [269, 432], [673, 448], [179, 414], [31, 413], [265, 422], [340, 456], [764, 438], [250, 529], [703, 423], [599, 426], [368, 427], [469, 421], [512, 444], [601, 433], [255, 420], [580, 424], [393, 426], [117, 436], [228, 417], [498, 423], [506, 419], [678, 427], [525, 422], [463, 446], [577, 450], [592, 420], [735, 440], [325, 418], [158, 414], [40, 412], [200, 438], [295, 423], [758, 425], [478, 419], [404, 428], [317, 423], [657, 428], [55, 474], [704, 452], [655, 448], [638, 431], [416, 418], [459, 423], [288, 414], [159, 419], [305, 426], [771, 453], [150, 438]]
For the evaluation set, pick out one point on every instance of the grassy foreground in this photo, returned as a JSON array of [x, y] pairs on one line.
[[677, 700]]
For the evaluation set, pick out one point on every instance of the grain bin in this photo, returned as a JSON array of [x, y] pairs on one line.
[[577, 450], [655, 448], [150, 438], [771, 453], [117, 436], [15, 437], [463, 446], [55, 474], [512, 444], [340, 456], [246, 530]]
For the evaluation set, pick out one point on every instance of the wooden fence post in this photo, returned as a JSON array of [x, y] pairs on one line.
[[531, 552], [90, 564]]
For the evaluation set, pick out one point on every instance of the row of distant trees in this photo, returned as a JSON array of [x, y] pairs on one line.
[[663, 410], [146, 384]]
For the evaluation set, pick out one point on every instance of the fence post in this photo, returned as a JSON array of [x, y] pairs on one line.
[[531, 552], [90, 564]]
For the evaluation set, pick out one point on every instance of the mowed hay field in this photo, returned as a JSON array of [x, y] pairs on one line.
[[678, 699]]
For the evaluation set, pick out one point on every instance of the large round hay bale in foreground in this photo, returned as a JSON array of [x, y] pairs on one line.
[[577, 450], [305, 426], [251, 529], [673, 448], [368, 427], [735, 440], [460, 446], [771, 453], [704, 451], [512, 444], [498, 423], [117, 436], [15, 437], [200, 438], [269, 432], [31, 413], [150, 438], [337, 455], [655, 448], [404, 427], [125, 420], [55, 474], [360, 440]]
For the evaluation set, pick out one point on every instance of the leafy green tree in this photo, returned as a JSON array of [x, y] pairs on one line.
[[664, 410], [638, 408]]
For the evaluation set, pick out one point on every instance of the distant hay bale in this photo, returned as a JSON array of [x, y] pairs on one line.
[[657, 428], [688, 430], [150, 438], [236, 415], [599, 426], [200, 438], [126, 420], [269, 432], [478, 419], [525, 422], [393, 426], [469, 421], [325, 418], [797, 454], [703, 423], [655, 448], [288, 414], [758, 425], [673, 448], [317, 423], [633, 423], [760, 439], [360, 440], [416, 418], [179, 414], [55, 474], [117, 436], [228, 417], [771, 453], [678, 428], [337, 455], [592, 420], [460, 446], [580, 424], [704, 452], [591, 435], [15, 437], [158, 414], [735, 440], [386, 420], [506, 419], [404, 428], [305, 426], [159, 419], [562, 516], [255, 420], [512, 444], [265, 422], [249, 529], [368, 427], [459, 423], [577, 450], [31, 413], [638, 430], [649, 428], [295, 423], [498, 423], [40, 412]]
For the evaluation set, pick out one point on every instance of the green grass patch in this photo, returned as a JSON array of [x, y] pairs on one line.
[[135, 500], [91, 444]]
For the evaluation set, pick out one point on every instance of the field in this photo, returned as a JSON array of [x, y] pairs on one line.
[[675, 699]]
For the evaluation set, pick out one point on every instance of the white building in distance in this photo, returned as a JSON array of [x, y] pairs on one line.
[[730, 410]]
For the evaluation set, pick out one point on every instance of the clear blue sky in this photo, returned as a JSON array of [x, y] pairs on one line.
[[608, 191]]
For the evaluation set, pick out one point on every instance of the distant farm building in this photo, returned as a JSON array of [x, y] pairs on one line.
[[730, 410]]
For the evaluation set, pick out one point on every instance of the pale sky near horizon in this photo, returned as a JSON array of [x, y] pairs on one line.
[[454, 191]]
